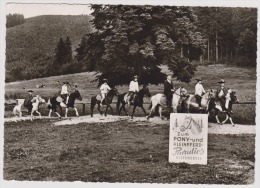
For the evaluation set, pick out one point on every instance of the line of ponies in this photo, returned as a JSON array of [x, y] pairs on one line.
[[182, 102]]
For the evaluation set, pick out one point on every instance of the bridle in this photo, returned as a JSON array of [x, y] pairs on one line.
[[182, 94]]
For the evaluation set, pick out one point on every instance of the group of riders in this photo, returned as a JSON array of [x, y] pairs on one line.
[[222, 93]]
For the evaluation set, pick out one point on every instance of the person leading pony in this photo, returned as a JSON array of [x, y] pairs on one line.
[[199, 91]]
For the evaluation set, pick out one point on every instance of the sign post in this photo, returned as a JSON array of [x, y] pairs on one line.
[[188, 141]]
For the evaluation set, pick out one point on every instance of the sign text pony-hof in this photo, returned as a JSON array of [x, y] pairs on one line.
[[188, 139]]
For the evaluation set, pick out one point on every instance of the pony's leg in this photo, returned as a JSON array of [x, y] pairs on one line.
[[216, 116], [230, 118], [119, 111], [32, 113], [77, 113], [38, 113], [50, 112], [99, 109], [225, 119], [93, 104], [160, 111], [150, 114], [174, 109], [111, 109], [66, 112], [106, 111], [143, 110], [58, 114], [133, 112], [125, 109], [20, 114]]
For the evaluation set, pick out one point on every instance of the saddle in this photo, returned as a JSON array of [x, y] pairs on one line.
[[98, 97], [59, 99], [126, 97]]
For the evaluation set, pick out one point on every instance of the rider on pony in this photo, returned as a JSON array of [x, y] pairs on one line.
[[64, 92], [199, 91], [133, 89], [221, 94], [168, 90], [104, 89]]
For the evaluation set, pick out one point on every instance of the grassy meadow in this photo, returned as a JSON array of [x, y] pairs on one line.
[[120, 151], [243, 80]]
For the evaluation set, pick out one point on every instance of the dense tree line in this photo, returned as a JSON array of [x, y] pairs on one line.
[[14, 19], [127, 40], [138, 39], [231, 34]]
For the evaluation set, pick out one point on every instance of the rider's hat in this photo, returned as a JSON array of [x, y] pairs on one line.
[[135, 76], [221, 81], [66, 82], [104, 80], [198, 79], [30, 91]]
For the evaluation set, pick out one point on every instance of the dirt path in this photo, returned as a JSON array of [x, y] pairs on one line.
[[213, 127]]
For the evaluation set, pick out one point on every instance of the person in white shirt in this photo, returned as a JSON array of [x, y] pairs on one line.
[[133, 89], [64, 92], [199, 91], [104, 89]]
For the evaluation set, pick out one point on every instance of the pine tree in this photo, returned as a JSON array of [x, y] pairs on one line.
[[60, 53], [68, 53]]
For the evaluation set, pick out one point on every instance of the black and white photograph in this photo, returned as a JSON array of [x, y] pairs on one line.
[[129, 93]]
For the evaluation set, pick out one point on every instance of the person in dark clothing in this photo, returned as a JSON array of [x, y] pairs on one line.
[[168, 90], [221, 93], [28, 101]]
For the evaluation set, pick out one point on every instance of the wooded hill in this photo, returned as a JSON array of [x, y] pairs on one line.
[[30, 47], [184, 35]]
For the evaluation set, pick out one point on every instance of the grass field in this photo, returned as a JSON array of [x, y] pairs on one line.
[[125, 151], [118, 152], [243, 80]]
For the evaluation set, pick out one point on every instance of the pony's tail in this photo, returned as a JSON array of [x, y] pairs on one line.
[[118, 104], [14, 111], [92, 103]]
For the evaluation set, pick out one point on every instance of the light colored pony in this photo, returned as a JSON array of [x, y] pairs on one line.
[[191, 101], [160, 101], [36, 101], [194, 126]]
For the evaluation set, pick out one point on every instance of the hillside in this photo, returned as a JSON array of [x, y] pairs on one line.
[[30, 47], [241, 79]]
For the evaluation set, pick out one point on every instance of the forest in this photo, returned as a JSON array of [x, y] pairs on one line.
[[142, 37]]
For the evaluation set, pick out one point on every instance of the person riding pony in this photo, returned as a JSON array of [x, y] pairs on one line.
[[65, 93], [104, 89], [133, 90]]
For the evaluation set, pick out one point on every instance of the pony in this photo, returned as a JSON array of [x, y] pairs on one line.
[[160, 101], [138, 100], [216, 106], [194, 126], [36, 102], [191, 101], [107, 101], [53, 103]]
